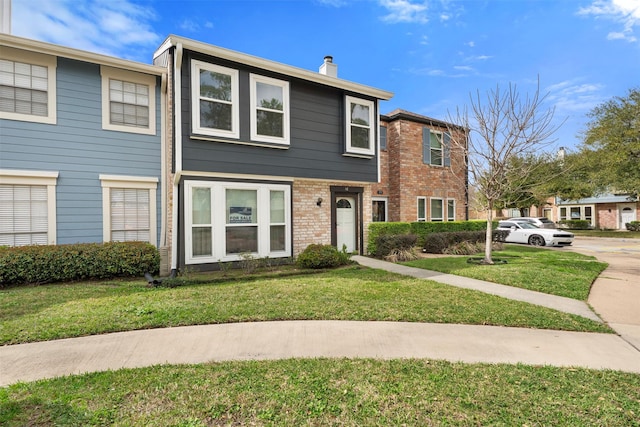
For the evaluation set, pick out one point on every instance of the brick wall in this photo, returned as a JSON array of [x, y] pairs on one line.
[[312, 223], [405, 177], [607, 215]]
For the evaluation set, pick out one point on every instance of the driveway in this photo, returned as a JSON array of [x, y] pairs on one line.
[[615, 295]]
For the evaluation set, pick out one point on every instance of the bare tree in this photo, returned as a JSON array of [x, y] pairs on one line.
[[502, 127]]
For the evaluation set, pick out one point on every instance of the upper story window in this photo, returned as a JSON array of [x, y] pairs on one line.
[[383, 137], [215, 103], [435, 148], [128, 101], [269, 110], [360, 126], [27, 86]]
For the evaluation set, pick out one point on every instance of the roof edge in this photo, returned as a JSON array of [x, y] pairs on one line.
[[400, 114], [173, 40], [77, 54]]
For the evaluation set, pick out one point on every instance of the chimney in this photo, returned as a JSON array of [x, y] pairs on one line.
[[328, 68]]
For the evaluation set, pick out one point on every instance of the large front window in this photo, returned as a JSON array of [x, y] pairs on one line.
[[360, 126], [27, 86], [578, 212], [225, 221], [215, 103], [269, 110]]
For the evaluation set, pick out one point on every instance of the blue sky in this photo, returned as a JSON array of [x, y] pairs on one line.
[[432, 54]]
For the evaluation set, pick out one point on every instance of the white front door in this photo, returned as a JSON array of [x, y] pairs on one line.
[[346, 223], [627, 214]]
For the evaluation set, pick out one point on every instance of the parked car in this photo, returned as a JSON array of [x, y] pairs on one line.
[[540, 222], [525, 232]]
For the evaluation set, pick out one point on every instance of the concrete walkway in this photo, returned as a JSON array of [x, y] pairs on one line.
[[566, 305], [300, 339]]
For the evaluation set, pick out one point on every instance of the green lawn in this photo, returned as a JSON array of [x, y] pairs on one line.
[[322, 392], [311, 392], [557, 272], [604, 233], [354, 293]]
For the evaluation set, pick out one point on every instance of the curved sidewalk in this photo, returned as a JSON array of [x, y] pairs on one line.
[[310, 339]]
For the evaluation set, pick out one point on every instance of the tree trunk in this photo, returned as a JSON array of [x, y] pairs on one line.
[[489, 237]]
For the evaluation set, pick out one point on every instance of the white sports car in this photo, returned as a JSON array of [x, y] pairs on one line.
[[524, 232]]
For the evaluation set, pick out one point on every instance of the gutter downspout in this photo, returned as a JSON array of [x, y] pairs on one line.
[[177, 113], [163, 160]]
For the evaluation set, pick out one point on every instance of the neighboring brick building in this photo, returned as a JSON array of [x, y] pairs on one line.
[[423, 176]]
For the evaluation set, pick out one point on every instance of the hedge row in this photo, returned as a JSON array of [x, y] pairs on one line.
[[58, 263], [575, 224], [420, 229]]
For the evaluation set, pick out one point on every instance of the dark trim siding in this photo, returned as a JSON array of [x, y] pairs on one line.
[[317, 138]]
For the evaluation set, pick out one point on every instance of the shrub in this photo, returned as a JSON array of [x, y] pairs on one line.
[[58, 263], [388, 243], [423, 229], [322, 256], [633, 226], [575, 224], [377, 229], [420, 229], [439, 243], [401, 255]]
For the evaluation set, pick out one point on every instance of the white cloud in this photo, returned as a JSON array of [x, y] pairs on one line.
[[119, 28], [624, 12], [572, 96], [405, 11]]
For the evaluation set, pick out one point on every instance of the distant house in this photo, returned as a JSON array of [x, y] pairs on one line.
[[264, 158], [81, 146], [608, 211], [423, 177]]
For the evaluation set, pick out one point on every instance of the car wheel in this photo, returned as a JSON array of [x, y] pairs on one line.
[[536, 240]]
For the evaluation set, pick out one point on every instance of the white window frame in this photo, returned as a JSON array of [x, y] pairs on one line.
[[134, 182], [440, 136], [219, 223], [442, 216], [386, 207], [108, 73], [33, 58], [234, 133], [582, 209], [423, 217], [372, 126], [40, 178], [284, 85], [453, 202]]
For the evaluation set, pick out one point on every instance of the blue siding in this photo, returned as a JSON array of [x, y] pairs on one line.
[[80, 150]]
